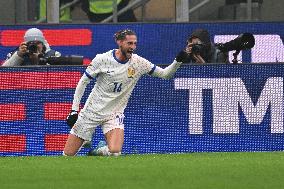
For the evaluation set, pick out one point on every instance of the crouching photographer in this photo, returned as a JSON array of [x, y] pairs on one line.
[[200, 49], [34, 48]]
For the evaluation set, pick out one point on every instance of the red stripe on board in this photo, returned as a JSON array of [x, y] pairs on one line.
[[12, 112], [12, 143], [59, 37], [55, 142], [86, 61], [38, 80], [57, 111]]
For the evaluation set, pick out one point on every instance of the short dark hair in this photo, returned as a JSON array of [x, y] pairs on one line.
[[121, 34]]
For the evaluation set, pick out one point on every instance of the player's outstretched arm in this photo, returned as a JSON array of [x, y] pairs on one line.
[[168, 72]]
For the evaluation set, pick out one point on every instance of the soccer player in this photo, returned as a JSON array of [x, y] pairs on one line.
[[117, 72]]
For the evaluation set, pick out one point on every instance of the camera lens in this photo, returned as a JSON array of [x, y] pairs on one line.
[[196, 49], [32, 47]]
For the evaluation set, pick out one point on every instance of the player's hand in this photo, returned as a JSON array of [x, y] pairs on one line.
[[182, 56], [72, 118], [22, 49]]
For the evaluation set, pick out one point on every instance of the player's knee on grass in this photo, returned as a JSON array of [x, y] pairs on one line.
[[68, 153], [115, 154], [73, 145]]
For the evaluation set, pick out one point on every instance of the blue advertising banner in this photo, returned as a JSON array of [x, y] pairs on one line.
[[208, 108], [158, 43]]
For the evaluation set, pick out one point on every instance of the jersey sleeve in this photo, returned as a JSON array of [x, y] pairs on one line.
[[146, 66], [90, 73], [94, 68]]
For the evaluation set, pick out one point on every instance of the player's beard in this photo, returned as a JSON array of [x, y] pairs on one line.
[[127, 53]]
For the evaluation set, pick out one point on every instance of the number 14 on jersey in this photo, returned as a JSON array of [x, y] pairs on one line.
[[117, 87]]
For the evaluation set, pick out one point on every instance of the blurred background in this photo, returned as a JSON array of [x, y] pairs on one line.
[[75, 11], [34, 104]]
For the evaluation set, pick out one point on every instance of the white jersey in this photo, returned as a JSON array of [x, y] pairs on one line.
[[115, 81]]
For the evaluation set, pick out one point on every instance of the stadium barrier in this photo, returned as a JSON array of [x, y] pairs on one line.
[[208, 108]]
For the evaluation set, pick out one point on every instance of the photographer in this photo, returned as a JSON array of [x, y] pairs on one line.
[[200, 49], [31, 51]]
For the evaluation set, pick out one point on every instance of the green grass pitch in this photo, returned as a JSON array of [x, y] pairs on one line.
[[246, 170]]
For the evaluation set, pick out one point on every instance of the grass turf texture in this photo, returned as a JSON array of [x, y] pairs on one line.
[[195, 170]]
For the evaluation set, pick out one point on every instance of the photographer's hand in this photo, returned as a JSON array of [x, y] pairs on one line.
[[188, 48], [22, 49], [198, 58]]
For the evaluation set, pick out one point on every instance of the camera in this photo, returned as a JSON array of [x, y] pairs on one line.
[[32, 47], [197, 48], [62, 60], [242, 42]]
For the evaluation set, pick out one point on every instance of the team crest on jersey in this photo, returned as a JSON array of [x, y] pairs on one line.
[[130, 72]]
